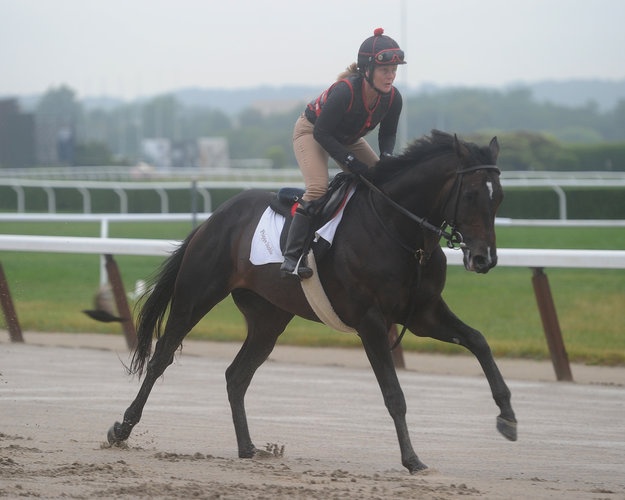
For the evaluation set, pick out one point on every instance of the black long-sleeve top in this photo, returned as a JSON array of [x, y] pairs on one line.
[[341, 117]]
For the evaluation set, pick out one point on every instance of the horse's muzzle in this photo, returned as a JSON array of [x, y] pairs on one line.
[[479, 262]]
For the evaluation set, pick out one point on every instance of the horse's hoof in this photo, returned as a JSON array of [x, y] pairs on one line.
[[248, 452], [415, 465], [507, 428], [111, 435]]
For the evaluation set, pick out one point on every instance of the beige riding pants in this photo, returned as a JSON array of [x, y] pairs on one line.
[[313, 159]]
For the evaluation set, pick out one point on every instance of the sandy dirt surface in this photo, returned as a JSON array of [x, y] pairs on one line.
[[320, 414]]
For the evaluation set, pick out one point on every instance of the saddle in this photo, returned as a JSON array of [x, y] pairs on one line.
[[322, 210]]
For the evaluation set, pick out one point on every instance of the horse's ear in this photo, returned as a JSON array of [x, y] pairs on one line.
[[461, 150], [494, 148]]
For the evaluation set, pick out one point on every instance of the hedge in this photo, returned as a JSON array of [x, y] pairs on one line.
[[519, 203]]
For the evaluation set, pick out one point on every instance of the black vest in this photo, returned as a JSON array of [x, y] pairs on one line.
[[357, 120]]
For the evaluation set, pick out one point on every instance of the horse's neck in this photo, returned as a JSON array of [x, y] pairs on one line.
[[420, 189]]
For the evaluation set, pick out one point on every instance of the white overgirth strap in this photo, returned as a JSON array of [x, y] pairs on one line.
[[318, 300]]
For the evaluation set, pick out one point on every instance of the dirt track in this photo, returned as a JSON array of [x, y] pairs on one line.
[[56, 404]]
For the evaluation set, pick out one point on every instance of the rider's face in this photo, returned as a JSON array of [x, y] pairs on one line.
[[384, 76]]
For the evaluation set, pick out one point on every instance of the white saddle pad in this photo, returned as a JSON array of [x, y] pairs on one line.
[[265, 247]]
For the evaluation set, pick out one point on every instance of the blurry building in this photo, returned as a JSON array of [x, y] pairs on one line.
[[55, 139], [184, 154], [65, 145], [156, 151], [17, 136], [205, 153], [213, 152]]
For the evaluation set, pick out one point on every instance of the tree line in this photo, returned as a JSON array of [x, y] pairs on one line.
[[533, 135]]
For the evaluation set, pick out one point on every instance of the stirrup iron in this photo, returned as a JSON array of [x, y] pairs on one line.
[[306, 274]]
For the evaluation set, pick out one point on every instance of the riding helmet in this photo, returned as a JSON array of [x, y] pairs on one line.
[[379, 49]]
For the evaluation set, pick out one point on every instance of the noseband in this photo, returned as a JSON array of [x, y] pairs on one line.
[[454, 237]]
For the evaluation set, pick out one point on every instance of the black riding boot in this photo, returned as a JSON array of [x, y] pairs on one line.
[[298, 233]]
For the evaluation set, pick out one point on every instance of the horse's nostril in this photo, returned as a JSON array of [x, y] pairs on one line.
[[479, 260], [481, 263]]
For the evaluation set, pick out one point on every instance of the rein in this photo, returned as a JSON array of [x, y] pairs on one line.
[[453, 237]]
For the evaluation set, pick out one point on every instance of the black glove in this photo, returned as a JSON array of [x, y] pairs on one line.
[[354, 165]]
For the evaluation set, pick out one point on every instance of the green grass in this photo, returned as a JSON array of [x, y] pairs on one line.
[[50, 290]]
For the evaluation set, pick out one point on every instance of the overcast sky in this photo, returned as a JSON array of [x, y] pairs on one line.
[[130, 48]]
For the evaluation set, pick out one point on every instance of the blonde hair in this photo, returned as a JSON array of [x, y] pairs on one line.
[[351, 70]]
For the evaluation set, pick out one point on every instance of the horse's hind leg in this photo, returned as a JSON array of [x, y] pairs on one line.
[[163, 356], [181, 319], [265, 323], [440, 323]]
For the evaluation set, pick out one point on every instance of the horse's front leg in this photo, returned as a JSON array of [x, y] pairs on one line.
[[373, 333], [440, 323]]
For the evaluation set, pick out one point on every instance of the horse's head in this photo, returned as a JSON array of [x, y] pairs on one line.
[[456, 182], [472, 201]]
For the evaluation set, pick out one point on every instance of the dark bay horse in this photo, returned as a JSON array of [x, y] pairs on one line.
[[385, 266]]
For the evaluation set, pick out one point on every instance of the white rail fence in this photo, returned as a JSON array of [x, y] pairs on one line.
[[536, 259], [199, 184], [106, 219], [507, 257]]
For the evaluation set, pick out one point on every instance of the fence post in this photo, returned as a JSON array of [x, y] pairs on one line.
[[121, 301], [13, 325], [194, 203], [549, 318]]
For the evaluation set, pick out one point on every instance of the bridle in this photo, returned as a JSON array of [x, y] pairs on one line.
[[453, 236], [456, 189]]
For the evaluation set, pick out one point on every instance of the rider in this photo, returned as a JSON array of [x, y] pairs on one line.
[[334, 125]]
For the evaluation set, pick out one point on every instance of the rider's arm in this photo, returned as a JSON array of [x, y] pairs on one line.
[[388, 126], [327, 122]]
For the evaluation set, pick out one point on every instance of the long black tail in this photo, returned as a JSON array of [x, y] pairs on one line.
[[154, 305]]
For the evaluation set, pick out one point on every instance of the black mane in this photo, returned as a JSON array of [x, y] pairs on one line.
[[436, 144]]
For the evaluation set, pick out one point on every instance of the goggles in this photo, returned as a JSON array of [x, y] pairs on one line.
[[390, 56]]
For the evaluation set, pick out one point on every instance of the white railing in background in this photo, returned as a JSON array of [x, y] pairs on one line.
[[262, 172], [105, 219], [536, 259], [81, 244], [557, 181], [123, 179], [202, 188], [253, 168], [508, 257], [506, 222]]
